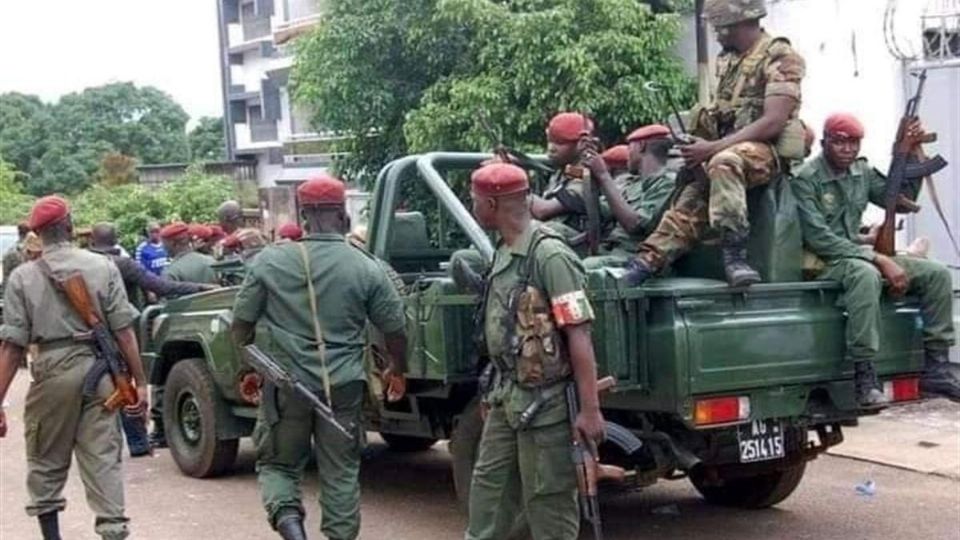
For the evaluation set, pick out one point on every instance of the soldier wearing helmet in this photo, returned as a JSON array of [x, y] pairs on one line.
[[744, 138]]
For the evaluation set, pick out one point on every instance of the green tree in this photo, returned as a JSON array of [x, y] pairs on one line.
[[206, 140], [24, 130], [141, 122], [403, 76], [16, 203]]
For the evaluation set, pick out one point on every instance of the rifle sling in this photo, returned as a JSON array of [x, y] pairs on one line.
[[317, 330], [932, 187]]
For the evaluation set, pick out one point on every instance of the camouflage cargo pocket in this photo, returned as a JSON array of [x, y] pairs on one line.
[[541, 356]]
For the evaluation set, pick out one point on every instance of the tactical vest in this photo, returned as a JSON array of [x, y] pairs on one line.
[[537, 352], [739, 101]]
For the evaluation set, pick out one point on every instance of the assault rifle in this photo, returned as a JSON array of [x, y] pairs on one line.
[[903, 168], [591, 196], [273, 372], [107, 358], [508, 154], [586, 461]]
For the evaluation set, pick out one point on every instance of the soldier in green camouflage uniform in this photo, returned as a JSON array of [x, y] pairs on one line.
[[14, 256], [537, 350], [742, 137], [832, 192], [639, 197], [60, 422], [350, 288]]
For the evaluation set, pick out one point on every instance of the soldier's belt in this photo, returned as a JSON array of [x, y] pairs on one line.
[[62, 343]]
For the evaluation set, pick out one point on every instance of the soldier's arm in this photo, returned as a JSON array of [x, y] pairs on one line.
[[654, 199], [544, 209], [161, 286], [248, 306], [781, 98], [562, 275], [385, 310], [626, 216], [14, 337], [120, 315], [817, 235]]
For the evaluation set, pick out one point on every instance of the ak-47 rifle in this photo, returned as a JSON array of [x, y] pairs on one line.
[[107, 358], [904, 167], [273, 372], [508, 154], [591, 195], [586, 460]]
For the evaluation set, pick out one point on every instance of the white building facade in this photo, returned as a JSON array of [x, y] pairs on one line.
[[261, 122]]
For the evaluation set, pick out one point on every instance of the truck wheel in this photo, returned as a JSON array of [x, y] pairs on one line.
[[760, 491], [406, 443], [464, 445], [190, 414]]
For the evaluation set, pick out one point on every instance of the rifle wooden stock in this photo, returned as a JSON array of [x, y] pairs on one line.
[[886, 237], [124, 392]]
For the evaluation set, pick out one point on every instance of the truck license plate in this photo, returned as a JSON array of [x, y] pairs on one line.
[[760, 440]]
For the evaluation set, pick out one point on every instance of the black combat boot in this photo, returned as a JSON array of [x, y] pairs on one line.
[[870, 394], [733, 247], [49, 526], [158, 438], [290, 526], [465, 278], [939, 375], [637, 272]]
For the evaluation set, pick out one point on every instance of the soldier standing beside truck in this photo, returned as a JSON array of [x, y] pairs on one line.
[[60, 421], [744, 138], [536, 320], [315, 297], [832, 192]]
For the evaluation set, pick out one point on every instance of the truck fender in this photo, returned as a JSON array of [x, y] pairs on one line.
[[622, 438]]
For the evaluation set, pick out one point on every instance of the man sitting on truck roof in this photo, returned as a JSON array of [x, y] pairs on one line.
[[832, 192], [637, 201]]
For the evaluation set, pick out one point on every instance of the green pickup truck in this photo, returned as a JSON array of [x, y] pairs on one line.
[[734, 389]]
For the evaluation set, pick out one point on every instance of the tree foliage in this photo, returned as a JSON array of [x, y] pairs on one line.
[[16, 203], [60, 146], [206, 140], [428, 74]]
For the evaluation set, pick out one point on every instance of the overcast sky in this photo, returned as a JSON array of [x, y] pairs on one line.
[[55, 47]]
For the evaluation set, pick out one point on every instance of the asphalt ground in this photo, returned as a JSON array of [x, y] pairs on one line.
[[410, 496]]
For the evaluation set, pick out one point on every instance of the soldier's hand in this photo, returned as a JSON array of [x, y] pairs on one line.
[[395, 385], [3, 423], [140, 407], [894, 274], [589, 426], [250, 387], [913, 136], [697, 151]]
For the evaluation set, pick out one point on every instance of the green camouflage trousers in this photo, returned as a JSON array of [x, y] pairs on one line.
[[283, 436], [59, 423], [722, 204], [862, 287], [528, 470]]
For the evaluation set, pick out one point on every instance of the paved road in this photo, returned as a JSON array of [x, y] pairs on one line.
[[411, 497]]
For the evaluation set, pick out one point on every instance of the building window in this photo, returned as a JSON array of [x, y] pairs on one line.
[[941, 31], [261, 130], [255, 26]]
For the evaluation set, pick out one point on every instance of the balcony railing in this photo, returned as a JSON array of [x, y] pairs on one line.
[[256, 27]]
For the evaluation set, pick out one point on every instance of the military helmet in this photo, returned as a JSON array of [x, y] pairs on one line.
[[728, 12]]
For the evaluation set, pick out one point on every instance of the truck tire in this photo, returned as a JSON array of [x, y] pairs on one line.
[[190, 414], [463, 446], [753, 492], [406, 443]]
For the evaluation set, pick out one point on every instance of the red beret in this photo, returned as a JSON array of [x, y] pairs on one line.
[[323, 189], [653, 131], [232, 241], [498, 179], [216, 231], [567, 127], [617, 157], [290, 231], [47, 211], [174, 230], [844, 125], [199, 230]]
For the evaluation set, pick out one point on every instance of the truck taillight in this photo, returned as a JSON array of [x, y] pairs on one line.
[[902, 389], [722, 410]]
